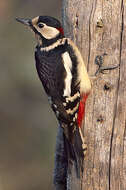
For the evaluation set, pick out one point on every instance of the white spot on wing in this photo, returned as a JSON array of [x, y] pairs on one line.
[[72, 111], [72, 98], [76, 115], [64, 104], [55, 106], [68, 66], [74, 119]]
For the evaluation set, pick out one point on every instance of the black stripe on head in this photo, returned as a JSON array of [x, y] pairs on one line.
[[50, 21]]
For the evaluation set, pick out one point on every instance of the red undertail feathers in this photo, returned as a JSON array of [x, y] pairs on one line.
[[81, 110]]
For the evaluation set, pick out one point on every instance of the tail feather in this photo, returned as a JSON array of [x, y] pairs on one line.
[[61, 161], [79, 150], [75, 151]]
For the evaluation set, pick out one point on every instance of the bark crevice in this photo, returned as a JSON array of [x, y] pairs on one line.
[[117, 93], [89, 50]]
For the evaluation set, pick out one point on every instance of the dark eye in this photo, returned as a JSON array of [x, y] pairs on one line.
[[40, 25]]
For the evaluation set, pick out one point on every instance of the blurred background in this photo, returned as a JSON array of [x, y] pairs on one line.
[[27, 124]]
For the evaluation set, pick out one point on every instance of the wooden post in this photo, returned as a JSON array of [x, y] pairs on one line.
[[98, 27]]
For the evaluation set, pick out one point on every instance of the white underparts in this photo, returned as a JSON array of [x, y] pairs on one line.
[[68, 66], [49, 32]]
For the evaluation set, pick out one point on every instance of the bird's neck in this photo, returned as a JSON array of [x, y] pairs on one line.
[[43, 42], [62, 42]]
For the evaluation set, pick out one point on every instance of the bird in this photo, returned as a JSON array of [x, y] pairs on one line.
[[62, 72]]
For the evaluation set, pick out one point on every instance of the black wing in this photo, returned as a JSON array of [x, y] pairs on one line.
[[51, 72]]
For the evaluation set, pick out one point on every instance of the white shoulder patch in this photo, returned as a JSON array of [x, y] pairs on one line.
[[68, 66], [85, 84]]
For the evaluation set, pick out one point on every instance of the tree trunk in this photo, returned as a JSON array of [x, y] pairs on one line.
[[98, 27]]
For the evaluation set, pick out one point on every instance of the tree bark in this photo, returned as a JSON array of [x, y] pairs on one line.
[[98, 27]]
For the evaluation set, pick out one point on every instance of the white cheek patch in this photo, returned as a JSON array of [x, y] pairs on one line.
[[68, 66], [48, 32]]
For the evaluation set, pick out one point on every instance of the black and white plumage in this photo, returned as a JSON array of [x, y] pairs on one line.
[[64, 77], [57, 78]]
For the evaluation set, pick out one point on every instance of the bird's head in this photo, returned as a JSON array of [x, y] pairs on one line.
[[47, 29]]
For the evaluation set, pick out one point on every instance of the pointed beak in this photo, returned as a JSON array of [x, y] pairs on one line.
[[26, 22]]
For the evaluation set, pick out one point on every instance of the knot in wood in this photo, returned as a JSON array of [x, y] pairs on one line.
[[99, 23], [100, 119], [107, 86]]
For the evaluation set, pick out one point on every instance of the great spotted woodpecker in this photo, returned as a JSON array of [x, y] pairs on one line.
[[62, 72]]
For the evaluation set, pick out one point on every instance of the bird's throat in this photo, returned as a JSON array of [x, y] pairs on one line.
[[39, 39]]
